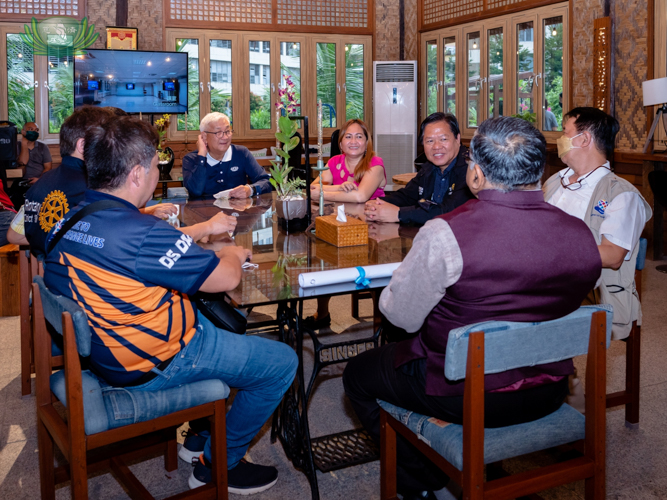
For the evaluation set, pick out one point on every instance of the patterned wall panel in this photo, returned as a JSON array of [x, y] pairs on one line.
[[147, 17], [345, 13], [585, 13], [231, 11], [410, 26], [437, 11], [387, 30], [631, 55], [102, 13]]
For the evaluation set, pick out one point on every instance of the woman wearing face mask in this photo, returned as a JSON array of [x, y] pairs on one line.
[[34, 159], [355, 176]]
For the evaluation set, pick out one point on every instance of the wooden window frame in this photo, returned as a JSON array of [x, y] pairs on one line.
[[508, 23]]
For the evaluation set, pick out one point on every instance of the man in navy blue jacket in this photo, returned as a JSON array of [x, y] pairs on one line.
[[218, 165]]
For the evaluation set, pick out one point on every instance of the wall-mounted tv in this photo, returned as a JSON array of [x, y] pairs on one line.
[[134, 81]]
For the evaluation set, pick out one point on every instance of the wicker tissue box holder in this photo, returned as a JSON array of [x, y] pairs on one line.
[[341, 234]]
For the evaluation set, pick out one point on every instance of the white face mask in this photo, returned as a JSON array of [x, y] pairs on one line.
[[564, 144]]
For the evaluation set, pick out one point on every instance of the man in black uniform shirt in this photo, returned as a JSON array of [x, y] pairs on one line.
[[440, 185]]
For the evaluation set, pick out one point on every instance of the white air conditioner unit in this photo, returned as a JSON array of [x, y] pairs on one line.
[[395, 115]]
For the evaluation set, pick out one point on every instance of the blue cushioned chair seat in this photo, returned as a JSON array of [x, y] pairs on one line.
[[106, 407], [563, 426]]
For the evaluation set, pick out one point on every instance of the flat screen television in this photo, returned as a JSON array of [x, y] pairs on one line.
[[134, 81], [93, 85]]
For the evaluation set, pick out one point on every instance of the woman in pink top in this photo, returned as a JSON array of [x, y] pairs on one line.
[[357, 175]]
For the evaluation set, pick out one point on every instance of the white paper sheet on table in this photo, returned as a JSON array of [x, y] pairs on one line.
[[222, 194], [321, 278]]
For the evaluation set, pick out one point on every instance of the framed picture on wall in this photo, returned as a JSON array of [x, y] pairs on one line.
[[120, 38]]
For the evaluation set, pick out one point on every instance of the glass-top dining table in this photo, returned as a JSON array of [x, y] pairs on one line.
[[281, 256]]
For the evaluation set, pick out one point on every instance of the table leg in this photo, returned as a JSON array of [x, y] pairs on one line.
[[290, 421]]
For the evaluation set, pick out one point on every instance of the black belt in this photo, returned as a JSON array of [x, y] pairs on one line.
[[150, 375]]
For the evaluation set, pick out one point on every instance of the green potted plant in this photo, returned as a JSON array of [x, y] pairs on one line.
[[292, 202]]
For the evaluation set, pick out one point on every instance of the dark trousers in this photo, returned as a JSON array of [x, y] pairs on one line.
[[372, 375]]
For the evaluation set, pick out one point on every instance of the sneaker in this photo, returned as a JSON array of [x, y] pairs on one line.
[[193, 446], [316, 323], [244, 479]]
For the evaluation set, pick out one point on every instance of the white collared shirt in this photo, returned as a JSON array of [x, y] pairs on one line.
[[624, 217], [226, 157]]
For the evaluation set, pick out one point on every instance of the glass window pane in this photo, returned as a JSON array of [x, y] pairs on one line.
[[474, 80], [61, 86], [354, 81], [431, 77], [191, 46], [20, 81], [525, 102], [260, 85], [326, 82], [290, 67], [450, 74], [220, 55], [495, 78], [552, 88]]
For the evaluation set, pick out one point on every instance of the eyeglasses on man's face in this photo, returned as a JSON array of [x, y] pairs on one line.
[[222, 133]]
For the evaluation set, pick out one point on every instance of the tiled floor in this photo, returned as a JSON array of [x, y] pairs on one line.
[[636, 460]]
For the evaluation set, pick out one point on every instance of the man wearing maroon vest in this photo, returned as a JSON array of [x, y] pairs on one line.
[[507, 256]]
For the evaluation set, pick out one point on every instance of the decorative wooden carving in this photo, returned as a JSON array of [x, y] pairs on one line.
[[602, 64], [441, 13], [276, 15], [40, 9]]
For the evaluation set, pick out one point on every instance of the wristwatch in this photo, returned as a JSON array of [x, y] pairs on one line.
[[253, 191]]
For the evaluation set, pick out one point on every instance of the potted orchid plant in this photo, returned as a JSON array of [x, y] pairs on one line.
[[291, 198], [165, 154]]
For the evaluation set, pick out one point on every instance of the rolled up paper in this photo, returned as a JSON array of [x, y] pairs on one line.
[[321, 278], [341, 217], [316, 291]]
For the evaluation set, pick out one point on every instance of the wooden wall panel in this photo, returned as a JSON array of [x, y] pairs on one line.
[[411, 33], [631, 56], [147, 17], [101, 13], [387, 30], [584, 14]]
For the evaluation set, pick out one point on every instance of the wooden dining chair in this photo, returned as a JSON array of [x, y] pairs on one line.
[[630, 395], [106, 427], [29, 267], [462, 451]]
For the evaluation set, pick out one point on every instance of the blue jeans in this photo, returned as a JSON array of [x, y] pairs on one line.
[[262, 370], [6, 218]]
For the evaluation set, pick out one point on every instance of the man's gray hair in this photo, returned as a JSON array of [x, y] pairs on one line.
[[212, 118], [510, 152]]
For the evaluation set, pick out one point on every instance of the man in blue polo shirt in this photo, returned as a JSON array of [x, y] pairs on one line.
[[134, 275], [218, 165]]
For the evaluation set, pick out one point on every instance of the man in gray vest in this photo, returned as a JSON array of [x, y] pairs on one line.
[[505, 256], [610, 206]]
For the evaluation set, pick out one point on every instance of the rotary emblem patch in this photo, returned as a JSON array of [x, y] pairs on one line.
[[53, 209], [601, 206]]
